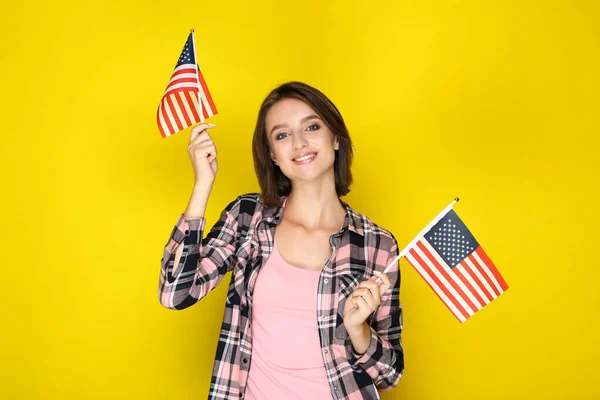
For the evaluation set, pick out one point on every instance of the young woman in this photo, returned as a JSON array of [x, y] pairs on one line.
[[309, 313]]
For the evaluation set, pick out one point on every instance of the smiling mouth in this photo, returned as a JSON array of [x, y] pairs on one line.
[[305, 157]]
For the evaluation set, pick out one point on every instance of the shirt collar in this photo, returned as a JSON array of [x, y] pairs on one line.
[[353, 221]]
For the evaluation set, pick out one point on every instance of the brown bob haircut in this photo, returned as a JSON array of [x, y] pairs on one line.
[[273, 183]]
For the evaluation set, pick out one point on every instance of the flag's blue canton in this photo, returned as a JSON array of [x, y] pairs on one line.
[[451, 239], [187, 55]]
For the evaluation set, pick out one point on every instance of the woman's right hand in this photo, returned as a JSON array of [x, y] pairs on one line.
[[203, 155]]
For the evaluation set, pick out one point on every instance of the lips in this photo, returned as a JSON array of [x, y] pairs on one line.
[[305, 157]]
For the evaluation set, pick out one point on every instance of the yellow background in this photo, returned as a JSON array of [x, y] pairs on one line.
[[494, 102]]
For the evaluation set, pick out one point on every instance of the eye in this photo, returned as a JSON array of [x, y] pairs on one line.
[[281, 135], [312, 127]]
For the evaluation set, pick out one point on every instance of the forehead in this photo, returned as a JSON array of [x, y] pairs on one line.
[[287, 111]]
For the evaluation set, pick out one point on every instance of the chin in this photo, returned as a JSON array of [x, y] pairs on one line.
[[312, 174]]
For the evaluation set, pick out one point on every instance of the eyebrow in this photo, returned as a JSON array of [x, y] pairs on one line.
[[313, 116]]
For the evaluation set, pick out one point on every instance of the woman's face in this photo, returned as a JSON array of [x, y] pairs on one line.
[[301, 143]]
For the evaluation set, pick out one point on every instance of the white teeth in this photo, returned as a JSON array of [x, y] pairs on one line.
[[305, 157]]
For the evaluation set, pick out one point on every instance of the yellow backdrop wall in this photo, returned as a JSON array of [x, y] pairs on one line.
[[494, 102]]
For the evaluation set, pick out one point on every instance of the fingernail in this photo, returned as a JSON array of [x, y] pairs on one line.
[[379, 281], [211, 125], [377, 272]]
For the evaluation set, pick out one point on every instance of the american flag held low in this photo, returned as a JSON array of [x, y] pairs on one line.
[[186, 100], [455, 266]]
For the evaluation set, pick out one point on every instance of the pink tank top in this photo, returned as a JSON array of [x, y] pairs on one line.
[[286, 351]]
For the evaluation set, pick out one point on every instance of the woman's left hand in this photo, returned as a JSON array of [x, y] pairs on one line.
[[364, 300]]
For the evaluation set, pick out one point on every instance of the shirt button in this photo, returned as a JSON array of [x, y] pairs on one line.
[[187, 232], [326, 280], [245, 360]]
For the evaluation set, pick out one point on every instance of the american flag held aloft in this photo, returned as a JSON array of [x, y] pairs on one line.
[[186, 100]]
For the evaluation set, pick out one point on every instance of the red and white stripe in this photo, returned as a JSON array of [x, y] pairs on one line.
[[179, 108], [464, 289]]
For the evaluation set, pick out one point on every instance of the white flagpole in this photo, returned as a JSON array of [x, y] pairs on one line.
[[420, 235], [197, 79]]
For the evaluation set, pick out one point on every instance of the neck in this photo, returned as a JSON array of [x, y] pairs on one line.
[[315, 204]]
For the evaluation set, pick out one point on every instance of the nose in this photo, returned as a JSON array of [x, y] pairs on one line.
[[299, 142]]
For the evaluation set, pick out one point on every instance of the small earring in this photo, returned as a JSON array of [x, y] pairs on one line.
[[275, 162]]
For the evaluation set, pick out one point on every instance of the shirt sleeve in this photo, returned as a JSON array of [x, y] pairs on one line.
[[203, 262], [383, 360]]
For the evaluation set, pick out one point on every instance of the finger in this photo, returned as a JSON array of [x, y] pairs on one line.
[[384, 277], [371, 287], [207, 150], [363, 306], [207, 147], [386, 282], [359, 291], [376, 296], [372, 296], [201, 138], [198, 129], [376, 277], [371, 299], [370, 283]]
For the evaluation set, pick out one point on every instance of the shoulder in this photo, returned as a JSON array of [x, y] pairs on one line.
[[374, 233], [244, 204], [384, 235], [250, 206], [249, 202]]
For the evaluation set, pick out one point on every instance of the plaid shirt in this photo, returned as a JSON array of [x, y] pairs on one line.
[[241, 241]]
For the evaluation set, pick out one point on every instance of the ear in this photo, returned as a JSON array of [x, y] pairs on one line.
[[336, 144]]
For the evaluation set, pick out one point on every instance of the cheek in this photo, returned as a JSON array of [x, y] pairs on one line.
[[331, 141], [329, 146], [276, 149], [327, 156]]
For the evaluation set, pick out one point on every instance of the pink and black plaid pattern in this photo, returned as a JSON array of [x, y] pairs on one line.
[[240, 242]]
